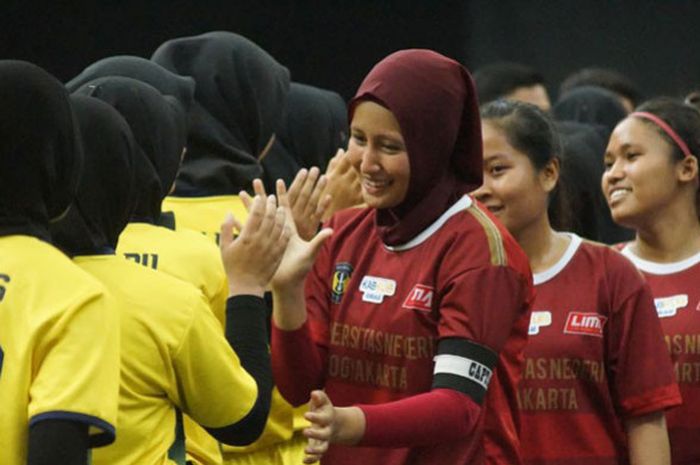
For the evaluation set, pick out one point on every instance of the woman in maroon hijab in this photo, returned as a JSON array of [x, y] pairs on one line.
[[415, 310]]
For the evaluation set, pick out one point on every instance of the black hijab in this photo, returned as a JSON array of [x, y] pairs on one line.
[[40, 156], [315, 125], [239, 98], [159, 125], [105, 196], [591, 105], [141, 69]]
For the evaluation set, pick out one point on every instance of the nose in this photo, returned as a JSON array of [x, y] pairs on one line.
[[482, 193], [369, 162], [615, 172]]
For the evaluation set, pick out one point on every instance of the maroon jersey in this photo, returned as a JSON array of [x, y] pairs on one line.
[[383, 312], [676, 289], [595, 356]]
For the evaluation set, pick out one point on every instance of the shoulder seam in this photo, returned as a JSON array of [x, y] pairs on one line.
[[493, 236]]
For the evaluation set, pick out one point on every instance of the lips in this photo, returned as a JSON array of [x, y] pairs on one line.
[[495, 209], [375, 186], [618, 194]]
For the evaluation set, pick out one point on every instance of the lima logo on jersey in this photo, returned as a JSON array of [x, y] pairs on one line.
[[341, 276]]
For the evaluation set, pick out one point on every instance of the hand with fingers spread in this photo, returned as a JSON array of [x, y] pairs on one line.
[[330, 425], [306, 203], [342, 185], [300, 253], [252, 259]]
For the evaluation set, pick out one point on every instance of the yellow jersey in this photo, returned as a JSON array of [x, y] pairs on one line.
[[205, 215], [191, 257], [183, 254], [59, 346], [174, 356]]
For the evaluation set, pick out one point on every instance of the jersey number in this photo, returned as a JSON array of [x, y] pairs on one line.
[[145, 259], [3, 278]]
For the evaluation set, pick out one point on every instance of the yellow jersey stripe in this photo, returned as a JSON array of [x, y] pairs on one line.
[[493, 235]]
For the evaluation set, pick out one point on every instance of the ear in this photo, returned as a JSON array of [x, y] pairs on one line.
[[549, 175], [687, 169]]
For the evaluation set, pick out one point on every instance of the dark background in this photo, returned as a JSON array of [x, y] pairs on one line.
[[333, 44]]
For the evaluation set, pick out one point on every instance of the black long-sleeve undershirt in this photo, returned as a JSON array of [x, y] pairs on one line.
[[247, 332], [58, 442]]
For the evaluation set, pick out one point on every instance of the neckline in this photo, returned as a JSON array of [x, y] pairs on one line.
[[651, 267], [462, 204], [552, 271]]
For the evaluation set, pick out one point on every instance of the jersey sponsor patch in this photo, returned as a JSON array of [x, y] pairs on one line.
[[539, 320], [341, 276], [420, 298], [667, 307], [586, 324], [374, 289]]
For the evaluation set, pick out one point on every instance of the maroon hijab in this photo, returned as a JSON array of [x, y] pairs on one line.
[[434, 100]]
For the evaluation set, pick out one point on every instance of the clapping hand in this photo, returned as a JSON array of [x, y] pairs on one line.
[[252, 258]]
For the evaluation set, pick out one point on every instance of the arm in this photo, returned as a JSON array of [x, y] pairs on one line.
[[297, 363], [250, 261], [58, 442], [648, 439], [246, 332]]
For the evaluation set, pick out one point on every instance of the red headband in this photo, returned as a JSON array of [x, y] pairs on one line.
[[666, 128]]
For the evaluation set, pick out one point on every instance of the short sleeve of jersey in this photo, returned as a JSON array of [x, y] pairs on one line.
[[482, 305], [214, 389], [641, 373], [77, 368]]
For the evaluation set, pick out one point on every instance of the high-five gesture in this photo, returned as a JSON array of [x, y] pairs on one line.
[[253, 257]]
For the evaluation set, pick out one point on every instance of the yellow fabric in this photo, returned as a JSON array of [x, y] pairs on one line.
[[191, 257], [184, 254], [174, 355], [290, 452], [205, 215], [60, 342]]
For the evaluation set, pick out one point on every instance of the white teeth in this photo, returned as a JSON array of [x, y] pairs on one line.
[[618, 193]]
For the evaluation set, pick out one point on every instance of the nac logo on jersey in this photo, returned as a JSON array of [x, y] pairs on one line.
[[539, 320], [420, 298], [585, 324], [341, 276], [666, 307]]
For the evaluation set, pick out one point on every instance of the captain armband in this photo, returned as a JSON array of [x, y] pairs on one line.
[[464, 366]]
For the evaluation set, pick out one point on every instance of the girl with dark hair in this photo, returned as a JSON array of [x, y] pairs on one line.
[[651, 185], [415, 311], [597, 378]]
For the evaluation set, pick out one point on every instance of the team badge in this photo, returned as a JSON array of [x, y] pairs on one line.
[[420, 298], [667, 307], [539, 320], [585, 324], [374, 289], [341, 276]]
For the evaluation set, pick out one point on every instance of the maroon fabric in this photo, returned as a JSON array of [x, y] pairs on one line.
[[402, 423], [434, 100], [297, 364]]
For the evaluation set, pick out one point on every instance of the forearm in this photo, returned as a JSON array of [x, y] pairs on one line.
[[289, 306], [648, 439], [246, 332], [408, 422], [58, 442], [297, 363]]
